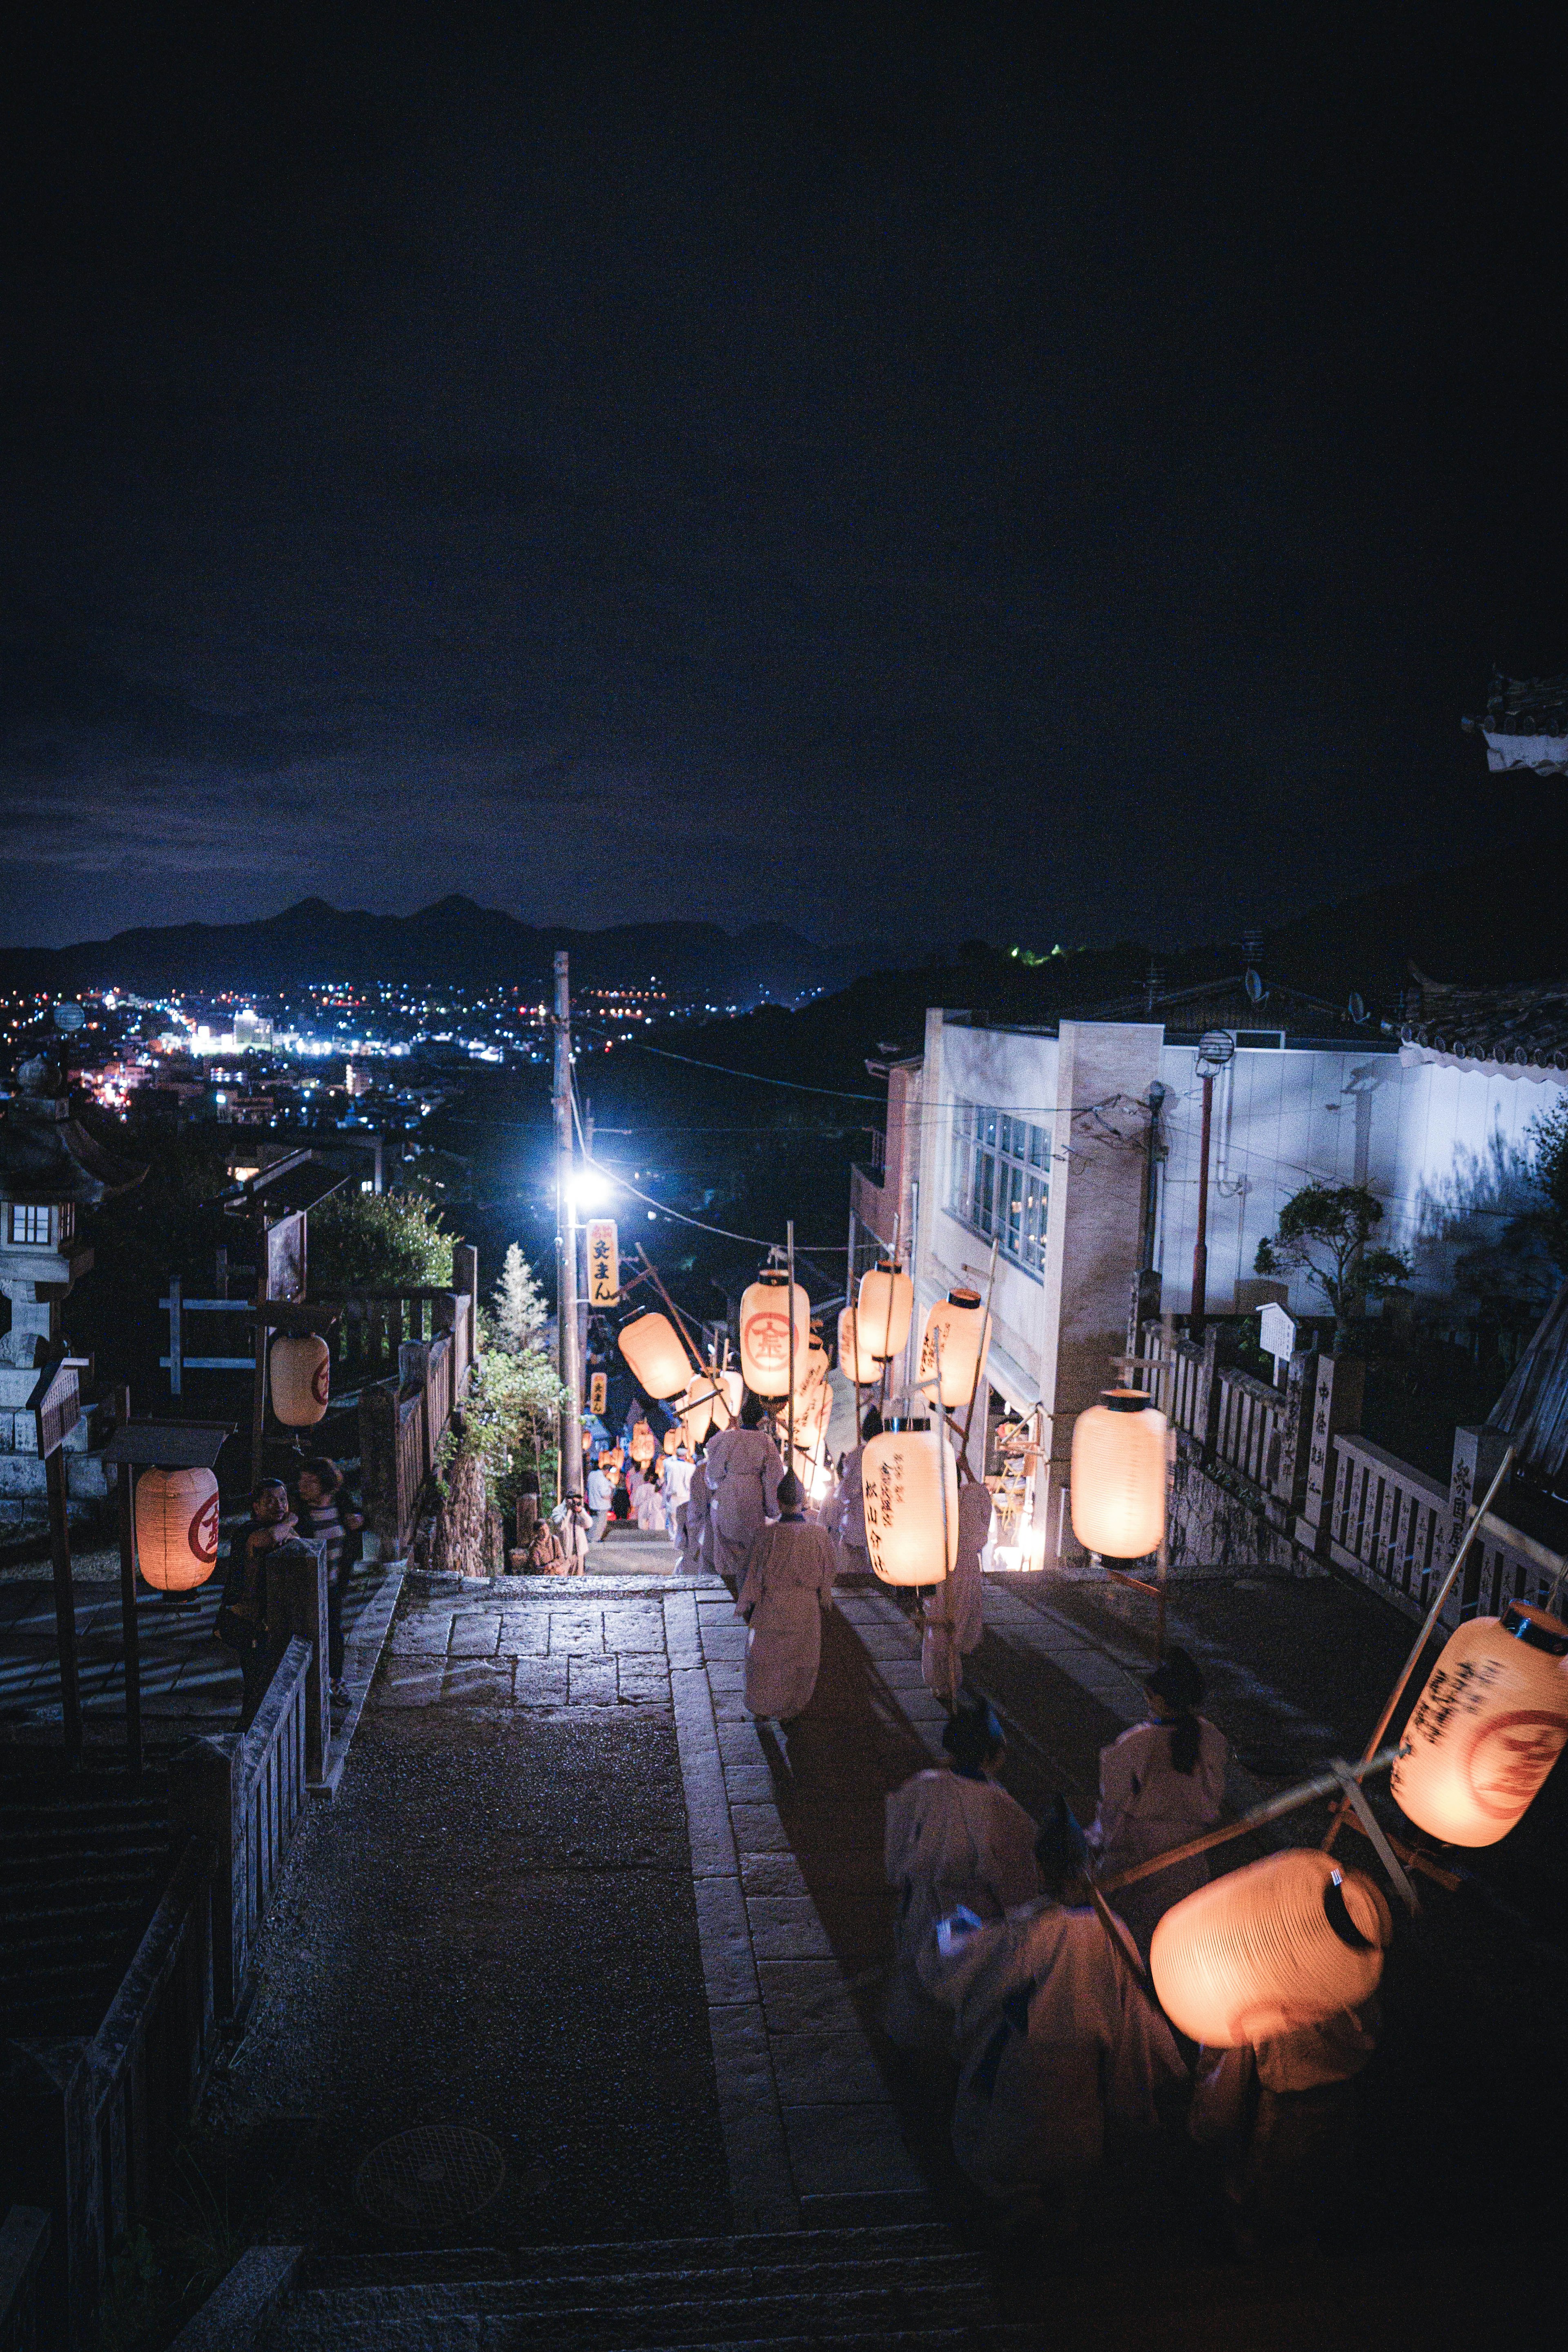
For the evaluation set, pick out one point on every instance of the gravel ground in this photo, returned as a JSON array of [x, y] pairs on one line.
[[491, 1926]]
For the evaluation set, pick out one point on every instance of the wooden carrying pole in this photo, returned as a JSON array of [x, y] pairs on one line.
[[1425, 1635], [1323, 1784]]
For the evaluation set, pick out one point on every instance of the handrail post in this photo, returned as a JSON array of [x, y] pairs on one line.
[[296, 1610]]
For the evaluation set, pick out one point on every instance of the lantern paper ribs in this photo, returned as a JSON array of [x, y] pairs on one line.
[[176, 1528]]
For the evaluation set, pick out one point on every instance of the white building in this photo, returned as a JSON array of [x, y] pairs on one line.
[[1045, 1142]]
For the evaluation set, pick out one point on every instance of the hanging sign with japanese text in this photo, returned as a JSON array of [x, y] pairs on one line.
[[603, 1262]]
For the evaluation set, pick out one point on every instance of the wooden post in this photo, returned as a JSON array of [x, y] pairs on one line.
[[259, 1388], [131, 1636], [297, 1611], [176, 1335], [201, 1806]]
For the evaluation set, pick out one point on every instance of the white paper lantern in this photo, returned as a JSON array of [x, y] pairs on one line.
[[651, 1346], [902, 1474], [855, 1363], [884, 1309], [642, 1447], [1488, 1728], [299, 1370], [959, 1321], [765, 1333], [1287, 1941], [1119, 1475], [176, 1528], [671, 1439]]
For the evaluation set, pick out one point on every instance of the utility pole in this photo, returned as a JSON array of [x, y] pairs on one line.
[[1215, 1048], [566, 1241]]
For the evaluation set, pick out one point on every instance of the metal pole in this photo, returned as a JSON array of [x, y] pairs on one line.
[[1425, 1635], [949, 1548], [1168, 1350], [1201, 1247], [566, 1240]]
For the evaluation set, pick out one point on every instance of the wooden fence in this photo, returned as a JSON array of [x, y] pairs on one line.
[[243, 1793], [401, 1423]]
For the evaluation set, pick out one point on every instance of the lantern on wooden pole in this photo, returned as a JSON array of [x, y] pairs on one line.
[[910, 1483], [776, 1319], [1287, 1941], [1488, 1728], [856, 1361], [176, 1528], [884, 1309], [956, 1327], [656, 1354], [1118, 1476], [299, 1372]]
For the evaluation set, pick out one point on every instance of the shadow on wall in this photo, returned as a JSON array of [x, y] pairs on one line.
[[1480, 1236]]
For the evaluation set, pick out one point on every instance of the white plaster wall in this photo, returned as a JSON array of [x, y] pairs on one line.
[[1445, 1149]]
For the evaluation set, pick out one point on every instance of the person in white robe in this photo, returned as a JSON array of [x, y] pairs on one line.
[[787, 1585], [692, 1518], [954, 1839], [1059, 2045], [954, 1611], [845, 1517], [650, 1503], [677, 1488], [1160, 1784], [743, 1471]]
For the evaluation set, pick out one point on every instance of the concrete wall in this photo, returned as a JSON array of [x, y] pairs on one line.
[[1447, 1149]]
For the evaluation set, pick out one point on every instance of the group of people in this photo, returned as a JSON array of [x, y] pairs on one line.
[[320, 1508], [1012, 1973]]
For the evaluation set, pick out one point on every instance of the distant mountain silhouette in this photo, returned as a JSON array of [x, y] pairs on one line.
[[453, 941]]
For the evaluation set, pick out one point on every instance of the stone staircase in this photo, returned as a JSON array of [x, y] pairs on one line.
[[84, 1858], [877, 2289]]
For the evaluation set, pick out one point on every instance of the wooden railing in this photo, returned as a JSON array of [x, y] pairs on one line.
[[1248, 1427], [1388, 1522], [146, 2060], [401, 1424], [243, 1793]]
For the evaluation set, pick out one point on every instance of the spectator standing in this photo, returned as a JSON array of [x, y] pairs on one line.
[[571, 1523], [600, 1493]]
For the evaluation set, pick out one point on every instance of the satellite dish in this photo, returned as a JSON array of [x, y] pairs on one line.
[[70, 1015], [1356, 1008], [1253, 983], [1215, 1047]]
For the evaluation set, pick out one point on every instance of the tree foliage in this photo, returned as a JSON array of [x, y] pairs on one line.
[[518, 1316], [1325, 1234], [378, 1241]]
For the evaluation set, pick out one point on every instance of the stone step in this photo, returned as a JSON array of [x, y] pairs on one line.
[[297, 2329], [56, 1913], [614, 2257], [99, 1870], [577, 2293]]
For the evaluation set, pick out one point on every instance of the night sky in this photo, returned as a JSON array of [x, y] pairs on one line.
[[1048, 473]]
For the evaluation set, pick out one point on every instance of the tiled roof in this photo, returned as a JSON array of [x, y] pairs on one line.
[[1225, 1004], [1522, 1027], [1526, 723]]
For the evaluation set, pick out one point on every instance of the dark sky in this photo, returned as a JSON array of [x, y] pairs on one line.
[[1038, 472]]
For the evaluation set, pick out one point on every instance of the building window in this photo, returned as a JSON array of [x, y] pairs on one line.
[[30, 1224], [997, 1180]]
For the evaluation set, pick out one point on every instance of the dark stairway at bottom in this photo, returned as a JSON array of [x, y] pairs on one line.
[[905, 2286]]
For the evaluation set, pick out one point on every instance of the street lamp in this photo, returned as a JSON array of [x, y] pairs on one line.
[[1215, 1048]]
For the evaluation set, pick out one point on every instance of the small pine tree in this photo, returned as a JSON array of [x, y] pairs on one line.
[[519, 1310], [1324, 1233]]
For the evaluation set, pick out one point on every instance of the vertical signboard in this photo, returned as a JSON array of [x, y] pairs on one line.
[[603, 1262]]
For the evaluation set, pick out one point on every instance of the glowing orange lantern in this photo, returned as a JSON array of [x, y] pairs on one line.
[[857, 1363], [1488, 1728], [903, 1473], [300, 1369], [765, 1332], [1119, 1475], [651, 1346], [884, 1310], [959, 1322], [1287, 1941], [643, 1446], [671, 1439], [176, 1528]]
